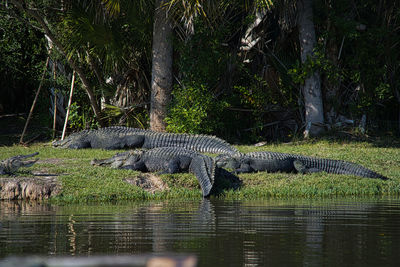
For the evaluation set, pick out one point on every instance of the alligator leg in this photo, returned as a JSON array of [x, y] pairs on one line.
[[118, 157], [136, 166], [244, 168], [170, 167], [112, 142], [173, 166], [79, 145], [19, 157], [133, 141], [301, 168]]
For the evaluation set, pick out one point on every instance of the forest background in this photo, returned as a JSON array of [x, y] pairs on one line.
[[237, 69]]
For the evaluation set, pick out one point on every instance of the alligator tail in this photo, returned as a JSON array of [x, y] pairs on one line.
[[338, 167], [203, 167]]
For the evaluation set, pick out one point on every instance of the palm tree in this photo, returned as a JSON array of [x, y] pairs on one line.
[[161, 74], [314, 113]]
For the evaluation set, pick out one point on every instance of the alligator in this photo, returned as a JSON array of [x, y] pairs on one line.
[[119, 137], [166, 160], [11, 165], [283, 162]]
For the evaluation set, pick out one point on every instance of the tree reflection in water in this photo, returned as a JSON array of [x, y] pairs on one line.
[[265, 232]]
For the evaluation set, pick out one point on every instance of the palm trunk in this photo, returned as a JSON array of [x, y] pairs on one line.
[[314, 113], [161, 77]]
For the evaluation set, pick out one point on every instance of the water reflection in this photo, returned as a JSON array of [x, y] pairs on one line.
[[226, 233]]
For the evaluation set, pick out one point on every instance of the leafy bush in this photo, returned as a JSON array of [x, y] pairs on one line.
[[191, 109], [81, 118]]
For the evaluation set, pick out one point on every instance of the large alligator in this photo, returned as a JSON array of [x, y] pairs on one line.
[[166, 160], [11, 165], [283, 162], [118, 137]]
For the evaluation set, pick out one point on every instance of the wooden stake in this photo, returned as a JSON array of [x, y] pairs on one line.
[[69, 105], [55, 101], [21, 140]]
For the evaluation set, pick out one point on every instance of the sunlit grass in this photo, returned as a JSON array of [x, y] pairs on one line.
[[83, 182]]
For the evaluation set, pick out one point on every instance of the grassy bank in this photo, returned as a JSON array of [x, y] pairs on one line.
[[83, 182]]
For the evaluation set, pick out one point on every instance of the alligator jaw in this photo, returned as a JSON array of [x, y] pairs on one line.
[[11, 165]]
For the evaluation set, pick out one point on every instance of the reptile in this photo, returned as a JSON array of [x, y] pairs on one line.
[[11, 165], [284, 162], [166, 160], [119, 137]]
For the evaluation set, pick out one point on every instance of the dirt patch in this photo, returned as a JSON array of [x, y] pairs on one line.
[[50, 161], [42, 186], [149, 182]]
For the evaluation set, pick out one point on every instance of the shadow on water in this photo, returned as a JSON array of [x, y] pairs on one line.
[[360, 232]]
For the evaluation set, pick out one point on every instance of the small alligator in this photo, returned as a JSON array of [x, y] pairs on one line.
[[11, 165], [166, 160], [118, 137], [283, 162]]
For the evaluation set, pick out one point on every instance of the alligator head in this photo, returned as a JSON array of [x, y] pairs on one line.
[[10, 165], [228, 161], [120, 159], [75, 140]]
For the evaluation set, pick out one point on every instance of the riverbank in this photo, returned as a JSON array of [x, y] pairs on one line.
[[76, 180]]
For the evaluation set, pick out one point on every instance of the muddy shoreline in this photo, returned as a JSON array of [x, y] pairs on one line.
[[37, 187]]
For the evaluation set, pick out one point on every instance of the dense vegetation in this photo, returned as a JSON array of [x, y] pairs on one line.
[[236, 65]]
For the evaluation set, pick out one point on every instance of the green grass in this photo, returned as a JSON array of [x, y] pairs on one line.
[[83, 182]]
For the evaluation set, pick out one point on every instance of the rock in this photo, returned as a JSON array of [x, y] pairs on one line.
[[149, 182], [28, 188]]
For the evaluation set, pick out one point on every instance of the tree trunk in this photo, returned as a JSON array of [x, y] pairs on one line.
[[75, 67], [314, 113], [161, 76]]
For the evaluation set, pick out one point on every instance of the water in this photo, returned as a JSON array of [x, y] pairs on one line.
[[219, 233]]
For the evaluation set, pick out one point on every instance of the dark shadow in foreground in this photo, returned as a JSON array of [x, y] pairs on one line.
[[224, 180]]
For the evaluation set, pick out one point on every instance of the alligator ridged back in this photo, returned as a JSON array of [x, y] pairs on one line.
[[169, 152], [326, 165], [200, 143], [268, 155], [122, 130]]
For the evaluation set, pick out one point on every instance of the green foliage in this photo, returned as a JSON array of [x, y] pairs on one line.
[[22, 58], [202, 58], [131, 117], [201, 63], [81, 118], [191, 110], [367, 49], [318, 62]]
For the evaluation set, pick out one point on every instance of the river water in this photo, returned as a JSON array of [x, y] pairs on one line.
[[327, 232]]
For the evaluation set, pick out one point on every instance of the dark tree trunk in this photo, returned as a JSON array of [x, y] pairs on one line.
[[161, 77], [314, 113]]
